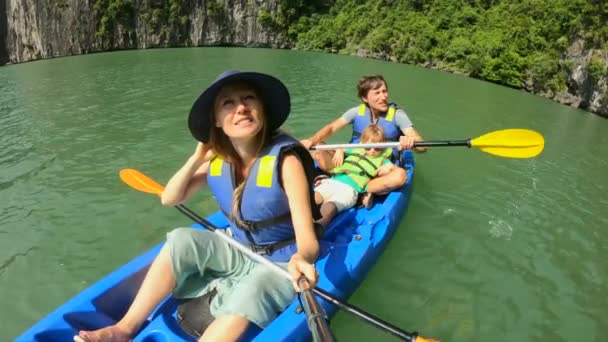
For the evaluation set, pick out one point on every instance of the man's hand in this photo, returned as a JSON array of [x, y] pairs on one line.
[[406, 142], [308, 143]]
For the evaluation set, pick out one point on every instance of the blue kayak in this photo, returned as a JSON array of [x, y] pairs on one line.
[[355, 240]]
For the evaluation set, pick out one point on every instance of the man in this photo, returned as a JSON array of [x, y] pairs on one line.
[[375, 109]]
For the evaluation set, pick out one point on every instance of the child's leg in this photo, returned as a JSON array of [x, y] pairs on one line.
[[328, 211], [318, 198], [324, 159], [335, 197], [367, 200]]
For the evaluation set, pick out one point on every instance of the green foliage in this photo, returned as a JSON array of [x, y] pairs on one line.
[[515, 43], [596, 68], [112, 13], [288, 14], [166, 17], [546, 72], [268, 21], [215, 10]]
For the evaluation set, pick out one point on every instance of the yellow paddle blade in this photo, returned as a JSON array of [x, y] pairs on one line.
[[422, 339], [511, 143], [141, 182]]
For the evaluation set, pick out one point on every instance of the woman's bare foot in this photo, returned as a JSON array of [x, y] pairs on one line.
[[108, 334], [367, 200]]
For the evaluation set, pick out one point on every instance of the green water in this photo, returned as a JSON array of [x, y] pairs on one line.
[[490, 249]]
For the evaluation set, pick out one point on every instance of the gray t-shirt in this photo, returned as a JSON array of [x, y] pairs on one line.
[[401, 118]]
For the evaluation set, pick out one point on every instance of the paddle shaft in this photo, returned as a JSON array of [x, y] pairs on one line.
[[318, 323], [367, 317], [393, 145]]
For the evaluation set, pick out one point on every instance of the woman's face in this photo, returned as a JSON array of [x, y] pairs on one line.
[[377, 98], [239, 111]]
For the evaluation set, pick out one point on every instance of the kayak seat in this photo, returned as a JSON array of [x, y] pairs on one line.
[[194, 315]]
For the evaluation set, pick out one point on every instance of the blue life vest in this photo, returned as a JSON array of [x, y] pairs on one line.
[[387, 122], [264, 206]]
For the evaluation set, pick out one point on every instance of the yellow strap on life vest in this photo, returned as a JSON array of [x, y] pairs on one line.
[[265, 171], [215, 168], [362, 109], [390, 114]]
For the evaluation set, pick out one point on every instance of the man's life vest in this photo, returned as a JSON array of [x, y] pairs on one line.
[[387, 122]]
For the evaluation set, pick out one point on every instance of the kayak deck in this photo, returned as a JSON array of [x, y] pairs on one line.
[[354, 241]]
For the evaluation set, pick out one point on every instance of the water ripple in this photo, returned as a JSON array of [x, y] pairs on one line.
[[12, 258]]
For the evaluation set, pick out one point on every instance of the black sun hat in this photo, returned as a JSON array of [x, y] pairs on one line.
[[273, 93]]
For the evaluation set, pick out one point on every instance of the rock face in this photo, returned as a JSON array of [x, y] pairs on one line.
[[3, 24], [39, 29], [34, 29], [587, 79]]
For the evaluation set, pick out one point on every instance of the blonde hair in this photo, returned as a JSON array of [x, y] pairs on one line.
[[222, 146], [373, 133]]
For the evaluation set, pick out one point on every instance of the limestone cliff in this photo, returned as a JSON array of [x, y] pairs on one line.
[[33, 29], [42, 29], [587, 78], [3, 52]]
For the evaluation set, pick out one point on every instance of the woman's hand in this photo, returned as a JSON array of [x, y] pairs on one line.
[[202, 153], [338, 158], [298, 267]]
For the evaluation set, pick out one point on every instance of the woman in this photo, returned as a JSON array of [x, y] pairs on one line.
[[262, 182], [374, 109]]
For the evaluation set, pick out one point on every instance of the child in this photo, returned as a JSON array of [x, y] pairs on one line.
[[351, 175]]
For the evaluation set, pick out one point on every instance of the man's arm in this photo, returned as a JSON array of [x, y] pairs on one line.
[[411, 132], [408, 130], [325, 132]]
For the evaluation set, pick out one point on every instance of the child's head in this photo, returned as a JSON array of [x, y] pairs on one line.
[[373, 134]]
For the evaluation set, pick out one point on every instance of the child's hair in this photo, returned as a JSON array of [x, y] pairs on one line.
[[373, 133]]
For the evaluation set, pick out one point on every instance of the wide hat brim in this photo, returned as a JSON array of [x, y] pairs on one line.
[[272, 91]]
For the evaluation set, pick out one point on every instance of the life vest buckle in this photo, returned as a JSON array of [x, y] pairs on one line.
[[262, 250], [249, 225], [271, 248]]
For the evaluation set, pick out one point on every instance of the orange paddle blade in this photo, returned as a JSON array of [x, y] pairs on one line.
[[141, 182]]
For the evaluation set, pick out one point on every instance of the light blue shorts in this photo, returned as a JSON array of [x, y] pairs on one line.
[[201, 261]]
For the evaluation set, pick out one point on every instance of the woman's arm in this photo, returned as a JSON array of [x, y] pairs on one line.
[[190, 178], [297, 189]]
